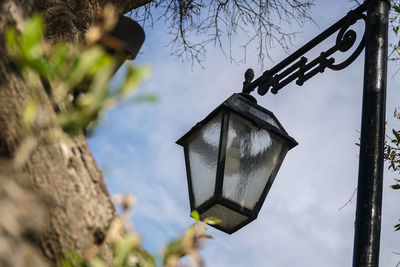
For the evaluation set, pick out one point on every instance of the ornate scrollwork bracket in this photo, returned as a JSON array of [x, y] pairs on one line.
[[299, 68]]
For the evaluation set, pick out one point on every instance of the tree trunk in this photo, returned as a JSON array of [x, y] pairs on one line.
[[78, 210]]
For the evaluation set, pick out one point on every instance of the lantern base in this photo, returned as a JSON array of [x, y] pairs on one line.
[[231, 220]]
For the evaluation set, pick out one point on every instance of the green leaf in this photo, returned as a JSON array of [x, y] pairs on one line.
[[133, 76], [32, 35], [396, 134], [99, 86], [11, 38], [395, 186], [195, 214], [396, 30], [97, 262], [146, 98], [41, 66], [124, 248], [59, 59], [212, 220], [75, 121], [146, 259], [397, 227], [29, 114], [175, 246], [207, 236], [396, 8], [73, 259], [88, 61]]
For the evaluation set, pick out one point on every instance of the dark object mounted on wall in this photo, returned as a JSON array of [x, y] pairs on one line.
[[127, 37]]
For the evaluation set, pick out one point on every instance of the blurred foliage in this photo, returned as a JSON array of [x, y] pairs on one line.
[[76, 77], [77, 80], [392, 156], [392, 142], [394, 24], [127, 250]]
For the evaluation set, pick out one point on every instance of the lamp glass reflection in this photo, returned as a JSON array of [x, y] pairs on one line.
[[203, 158], [251, 155]]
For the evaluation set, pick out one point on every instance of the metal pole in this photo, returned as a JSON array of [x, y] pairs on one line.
[[370, 176]]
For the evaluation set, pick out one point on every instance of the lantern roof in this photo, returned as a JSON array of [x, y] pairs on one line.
[[246, 106]]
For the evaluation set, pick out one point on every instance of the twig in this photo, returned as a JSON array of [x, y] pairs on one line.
[[349, 201]]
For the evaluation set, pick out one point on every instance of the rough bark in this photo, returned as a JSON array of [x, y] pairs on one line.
[[23, 213], [79, 210]]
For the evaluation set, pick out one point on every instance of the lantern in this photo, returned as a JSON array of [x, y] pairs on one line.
[[232, 158]]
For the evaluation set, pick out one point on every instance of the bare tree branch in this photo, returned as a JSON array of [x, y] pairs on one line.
[[195, 24]]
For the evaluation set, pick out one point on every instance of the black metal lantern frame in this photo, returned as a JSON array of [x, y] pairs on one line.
[[245, 107]]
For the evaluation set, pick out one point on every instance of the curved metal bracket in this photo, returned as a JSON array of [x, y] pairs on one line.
[[286, 71]]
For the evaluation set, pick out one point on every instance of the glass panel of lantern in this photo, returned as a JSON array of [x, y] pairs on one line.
[[232, 158]]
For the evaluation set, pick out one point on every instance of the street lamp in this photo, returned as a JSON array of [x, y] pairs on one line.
[[232, 158], [223, 172]]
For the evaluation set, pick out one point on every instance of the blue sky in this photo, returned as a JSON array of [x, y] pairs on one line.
[[301, 223]]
